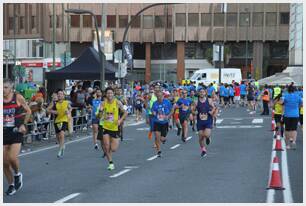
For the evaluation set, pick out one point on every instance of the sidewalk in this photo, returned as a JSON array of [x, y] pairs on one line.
[[27, 147]]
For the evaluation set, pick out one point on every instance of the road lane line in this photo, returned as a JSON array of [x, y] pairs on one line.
[[219, 121], [285, 176], [175, 146], [69, 197], [152, 158], [136, 123], [120, 173], [257, 121], [188, 138], [55, 146], [131, 167]]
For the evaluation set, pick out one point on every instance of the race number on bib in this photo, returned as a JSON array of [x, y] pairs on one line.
[[203, 116]]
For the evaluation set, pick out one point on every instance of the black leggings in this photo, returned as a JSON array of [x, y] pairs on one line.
[[265, 107]]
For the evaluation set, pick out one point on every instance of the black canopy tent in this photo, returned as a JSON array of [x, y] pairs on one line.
[[85, 67]]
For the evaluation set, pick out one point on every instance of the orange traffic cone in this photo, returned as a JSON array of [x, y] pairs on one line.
[[275, 181], [278, 144], [273, 125]]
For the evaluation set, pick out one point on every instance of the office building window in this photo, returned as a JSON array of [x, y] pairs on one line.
[[159, 21], [193, 19], [99, 20], [111, 21], [58, 18], [147, 21], [284, 18], [169, 21], [123, 20], [231, 19], [136, 22], [218, 19], [270, 19], [257, 19], [87, 21], [75, 20], [205, 19], [180, 19], [11, 23], [244, 19], [33, 22], [21, 22]]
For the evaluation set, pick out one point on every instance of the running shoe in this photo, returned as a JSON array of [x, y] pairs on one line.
[[193, 129], [207, 141], [159, 154], [11, 190], [18, 181], [104, 155], [203, 153], [59, 154], [183, 139], [96, 147], [111, 166], [163, 141], [178, 131]]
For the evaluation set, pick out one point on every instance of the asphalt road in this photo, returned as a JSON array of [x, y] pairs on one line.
[[236, 169]]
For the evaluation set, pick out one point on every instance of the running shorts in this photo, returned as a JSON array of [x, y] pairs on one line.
[[204, 126], [61, 126], [10, 137], [291, 123], [301, 119], [162, 128], [184, 117], [95, 121], [237, 98], [112, 134], [278, 118]]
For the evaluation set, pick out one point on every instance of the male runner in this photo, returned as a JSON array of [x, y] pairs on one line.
[[162, 111], [109, 112], [16, 114], [204, 108]]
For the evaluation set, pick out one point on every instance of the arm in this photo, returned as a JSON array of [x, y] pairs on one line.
[[25, 106], [124, 113], [213, 108]]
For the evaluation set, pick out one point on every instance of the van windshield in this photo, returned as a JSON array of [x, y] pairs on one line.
[[195, 76]]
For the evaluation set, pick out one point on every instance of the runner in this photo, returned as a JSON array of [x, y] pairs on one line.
[[184, 105], [222, 93], [176, 112], [251, 99], [16, 114], [193, 99], [62, 110], [138, 106], [109, 113], [243, 93], [237, 95], [94, 104], [119, 96], [161, 111], [292, 102], [278, 115], [204, 108]]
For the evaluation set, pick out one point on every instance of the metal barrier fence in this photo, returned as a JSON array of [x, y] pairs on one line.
[[44, 130]]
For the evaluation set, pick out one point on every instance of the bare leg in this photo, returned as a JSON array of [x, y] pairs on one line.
[[6, 165], [13, 155], [95, 129], [106, 143]]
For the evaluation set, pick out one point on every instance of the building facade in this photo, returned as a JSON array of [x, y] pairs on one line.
[[169, 42]]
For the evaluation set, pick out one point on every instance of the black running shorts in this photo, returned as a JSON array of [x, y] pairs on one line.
[[112, 134], [10, 137], [162, 128], [61, 126], [278, 118], [291, 123]]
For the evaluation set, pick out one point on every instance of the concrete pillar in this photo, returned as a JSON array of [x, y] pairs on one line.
[[180, 50], [148, 62], [257, 59]]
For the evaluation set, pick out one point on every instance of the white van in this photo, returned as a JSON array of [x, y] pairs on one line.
[[210, 75]]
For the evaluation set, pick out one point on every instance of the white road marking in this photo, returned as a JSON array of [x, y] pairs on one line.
[[239, 126], [131, 167], [238, 119], [218, 121], [175, 146], [69, 197], [285, 176], [120, 173], [257, 121], [271, 193], [143, 129], [235, 123], [136, 123], [55, 146], [152, 158], [188, 138]]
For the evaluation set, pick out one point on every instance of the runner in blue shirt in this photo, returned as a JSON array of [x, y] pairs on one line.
[[231, 94], [222, 94], [184, 105], [210, 90], [292, 103], [162, 112], [226, 95], [243, 93]]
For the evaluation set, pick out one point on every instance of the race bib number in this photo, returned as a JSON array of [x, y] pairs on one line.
[[203, 116], [9, 121], [185, 108], [109, 117], [161, 117]]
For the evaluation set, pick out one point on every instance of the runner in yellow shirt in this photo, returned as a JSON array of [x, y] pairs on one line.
[[278, 115]]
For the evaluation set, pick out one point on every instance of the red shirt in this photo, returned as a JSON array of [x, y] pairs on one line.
[[237, 91]]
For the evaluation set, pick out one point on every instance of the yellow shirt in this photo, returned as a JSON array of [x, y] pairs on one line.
[[301, 110], [176, 111], [110, 115], [278, 109], [61, 108]]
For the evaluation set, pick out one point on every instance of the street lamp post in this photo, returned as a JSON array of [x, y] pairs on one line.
[[246, 43], [81, 11]]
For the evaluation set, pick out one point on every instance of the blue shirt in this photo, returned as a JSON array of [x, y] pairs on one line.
[[160, 111], [226, 92], [95, 106], [292, 102], [222, 91], [210, 90], [231, 91], [184, 104], [243, 89]]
